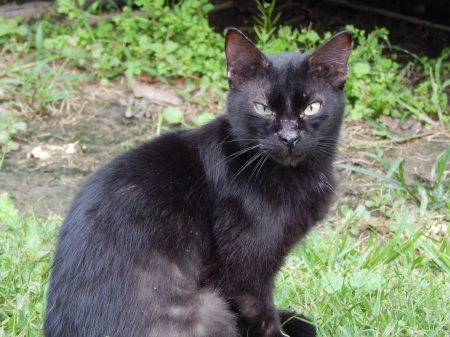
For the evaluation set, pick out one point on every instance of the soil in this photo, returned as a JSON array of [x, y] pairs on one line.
[[98, 128], [99, 133]]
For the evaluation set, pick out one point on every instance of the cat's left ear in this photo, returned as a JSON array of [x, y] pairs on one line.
[[330, 60], [244, 60]]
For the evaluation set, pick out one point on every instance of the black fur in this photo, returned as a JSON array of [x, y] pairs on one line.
[[183, 236]]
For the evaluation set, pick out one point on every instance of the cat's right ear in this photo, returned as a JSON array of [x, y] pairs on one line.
[[330, 60], [244, 60]]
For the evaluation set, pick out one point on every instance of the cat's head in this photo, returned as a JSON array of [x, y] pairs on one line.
[[288, 105]]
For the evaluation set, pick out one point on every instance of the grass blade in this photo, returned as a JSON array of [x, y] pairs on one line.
[[371, 173]]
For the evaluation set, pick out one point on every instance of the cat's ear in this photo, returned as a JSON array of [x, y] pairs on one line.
[[244, 60], [330, 60]]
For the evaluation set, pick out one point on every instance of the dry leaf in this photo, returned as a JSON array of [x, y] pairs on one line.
[[167, 95], [409, 127], [45, 152]]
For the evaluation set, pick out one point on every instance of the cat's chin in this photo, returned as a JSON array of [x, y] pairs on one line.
[[290, 160]]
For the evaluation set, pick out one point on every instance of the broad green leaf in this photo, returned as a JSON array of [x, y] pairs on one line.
[[170, 46], [172, 115], [19, 126], [8, 213], [361, 69], [4, 137], [332, 282], [12, 146], [203, 118]]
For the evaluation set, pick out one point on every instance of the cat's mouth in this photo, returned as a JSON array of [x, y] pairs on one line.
[[283, 155], [289, 158]]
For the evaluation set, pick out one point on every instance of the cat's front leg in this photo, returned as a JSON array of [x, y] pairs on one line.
[[257, 316]]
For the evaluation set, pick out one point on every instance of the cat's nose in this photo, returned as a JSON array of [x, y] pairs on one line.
[[289, 141], [288, 135]]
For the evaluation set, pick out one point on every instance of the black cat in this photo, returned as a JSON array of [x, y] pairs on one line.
[[183, 236]]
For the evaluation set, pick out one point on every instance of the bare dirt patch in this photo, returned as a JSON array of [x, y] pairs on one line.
[[98, 133]]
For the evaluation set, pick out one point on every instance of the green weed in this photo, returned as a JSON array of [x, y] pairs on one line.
[[265, 25], [8, 127], [25, 246], [152, 42], [431, 195], [39, 83], [11, 30], [432, 93], [372, 76]]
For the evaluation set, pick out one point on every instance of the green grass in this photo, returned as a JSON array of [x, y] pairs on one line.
[[370, 285], [26, 244], [364, 285]]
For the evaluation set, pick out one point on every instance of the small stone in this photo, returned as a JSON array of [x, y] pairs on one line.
[[128, 113], [122, 101]]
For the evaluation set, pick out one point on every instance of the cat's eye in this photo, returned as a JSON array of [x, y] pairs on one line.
[[313, 108], [262, 109]]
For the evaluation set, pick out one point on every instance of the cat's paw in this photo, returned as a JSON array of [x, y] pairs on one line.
[[295, 325]]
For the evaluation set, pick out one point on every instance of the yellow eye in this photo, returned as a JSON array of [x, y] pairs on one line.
[[262, 109], [313, 108]]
